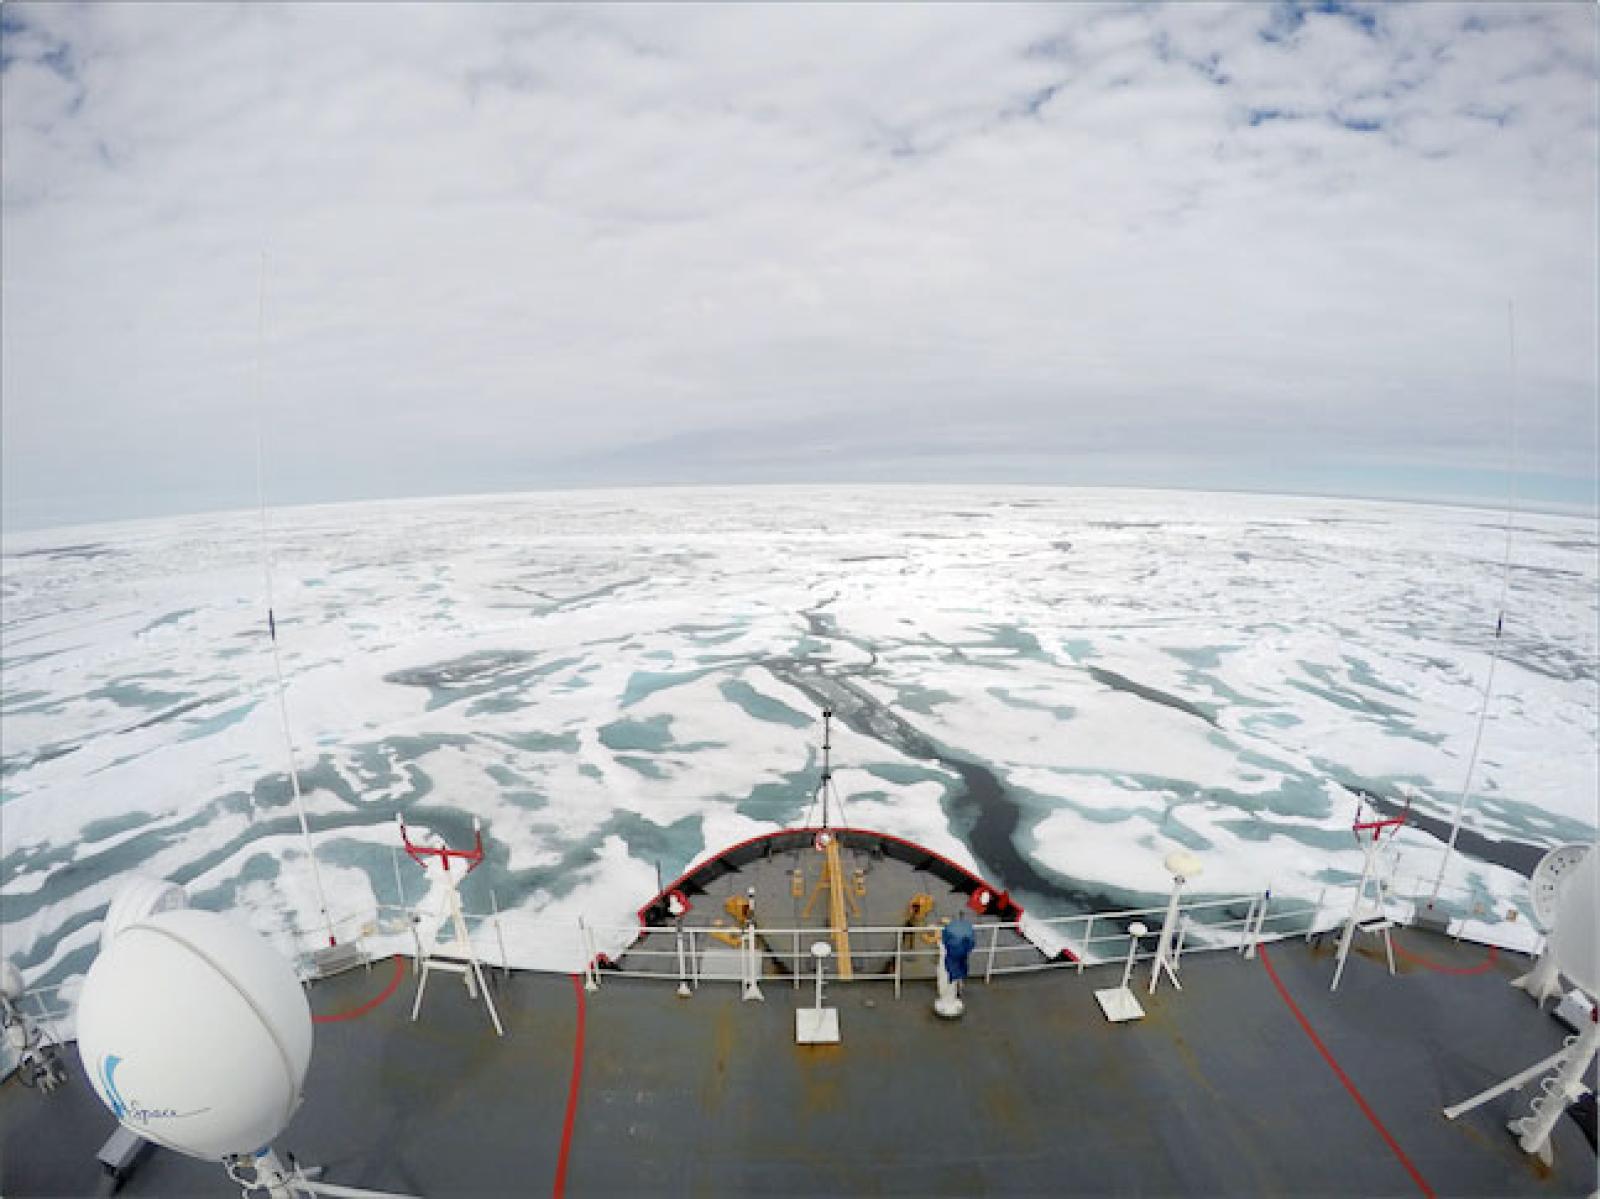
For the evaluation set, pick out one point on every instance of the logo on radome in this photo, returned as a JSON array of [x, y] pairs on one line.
[[131, 1110]]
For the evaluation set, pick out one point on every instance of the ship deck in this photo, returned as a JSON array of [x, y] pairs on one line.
[[781, 875], [1253, 1080]]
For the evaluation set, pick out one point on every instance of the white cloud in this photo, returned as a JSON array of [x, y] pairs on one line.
[[512, 245]]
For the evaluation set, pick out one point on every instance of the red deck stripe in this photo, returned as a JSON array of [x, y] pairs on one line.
[[1481, 968], [560, 1187], [394, 985], [1366, 1110]]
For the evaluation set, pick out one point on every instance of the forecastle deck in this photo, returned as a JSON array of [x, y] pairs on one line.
[[1252, 1080]]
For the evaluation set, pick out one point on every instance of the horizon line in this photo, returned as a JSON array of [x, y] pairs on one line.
[[1590, 511]]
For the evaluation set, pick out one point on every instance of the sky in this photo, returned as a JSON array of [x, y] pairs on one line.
[[507, 247]]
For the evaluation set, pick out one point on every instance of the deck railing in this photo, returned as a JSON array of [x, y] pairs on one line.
[[519, 941], [53, 1010], [516, 940], [511, 940]]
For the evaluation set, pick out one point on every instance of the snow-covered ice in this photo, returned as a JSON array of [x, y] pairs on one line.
[[619, 682]]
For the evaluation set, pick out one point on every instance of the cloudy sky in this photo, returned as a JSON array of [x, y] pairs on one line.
[[515, 247]]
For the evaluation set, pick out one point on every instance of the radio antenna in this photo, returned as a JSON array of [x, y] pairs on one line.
[[1500, 618], [272, 620]]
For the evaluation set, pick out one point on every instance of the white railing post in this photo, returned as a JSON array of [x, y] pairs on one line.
[[752, 989], [1254, 930], [591, 972], [1249, 920], [796, 959], [684, 969], [499, 935], [683, 966]]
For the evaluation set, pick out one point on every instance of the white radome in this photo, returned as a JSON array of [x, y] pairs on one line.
[[139, 897], [1575, 941], [195, 1033]]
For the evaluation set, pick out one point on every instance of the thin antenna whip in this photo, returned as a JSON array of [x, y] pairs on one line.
[[1500, 618], [272, 621], [826, 803]]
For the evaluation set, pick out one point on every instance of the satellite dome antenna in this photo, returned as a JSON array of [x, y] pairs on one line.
[[139, 898], [195, 1033], [1549, 877]]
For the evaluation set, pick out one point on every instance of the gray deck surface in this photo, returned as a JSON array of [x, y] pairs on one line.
[[1218, 1092]]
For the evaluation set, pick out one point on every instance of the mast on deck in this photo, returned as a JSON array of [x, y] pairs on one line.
[[832, 878]]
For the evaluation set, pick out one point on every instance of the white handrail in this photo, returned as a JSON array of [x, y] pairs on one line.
[[529, 942], [524, 941]]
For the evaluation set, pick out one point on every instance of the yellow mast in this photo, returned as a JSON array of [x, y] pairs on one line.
[[832, 880], [832, 876]]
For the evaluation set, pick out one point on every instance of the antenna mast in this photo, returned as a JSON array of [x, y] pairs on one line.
[[1500, 618], [272, 621], [831, 880], [827, 762], [826, 802]]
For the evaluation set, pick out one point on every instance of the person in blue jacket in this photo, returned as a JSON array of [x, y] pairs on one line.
[[959, 937]]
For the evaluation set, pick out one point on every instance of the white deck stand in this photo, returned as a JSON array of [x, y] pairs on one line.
[[750, 963], [1556, 1094], [465, 962], [265, 1173], [1183, 866], [1119, 1003], [1574, 949], [1543, 982], [1379, 924], [817, 1025], [1515, 1083], [1368, 917]]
